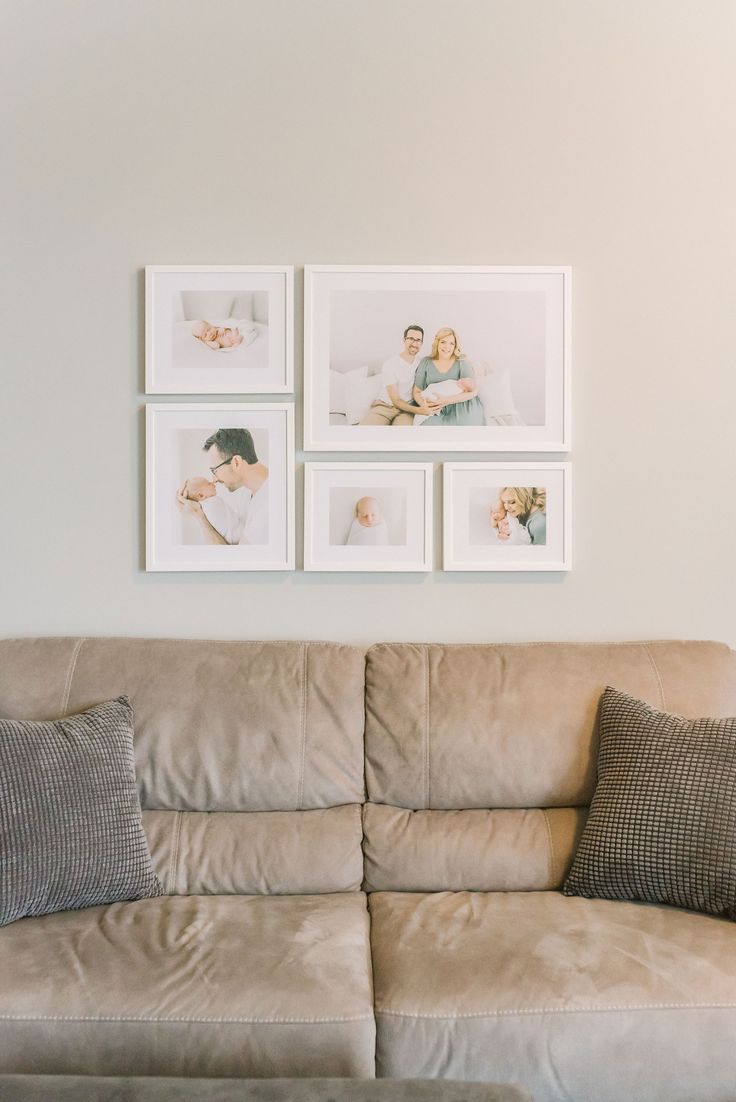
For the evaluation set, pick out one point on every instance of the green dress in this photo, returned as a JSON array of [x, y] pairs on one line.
[[459, 413]]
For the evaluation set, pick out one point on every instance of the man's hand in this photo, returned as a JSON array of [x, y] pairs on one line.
[[184, 503]]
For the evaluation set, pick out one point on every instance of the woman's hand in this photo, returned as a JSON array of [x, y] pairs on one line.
[[429, 407]]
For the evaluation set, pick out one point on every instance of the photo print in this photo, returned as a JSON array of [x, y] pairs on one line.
[[451, 358], [502, 516], [219, 330], [220, 487], [368, 516]]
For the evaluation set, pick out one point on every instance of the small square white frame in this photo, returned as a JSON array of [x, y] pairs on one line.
[[415, 478], [539, 292], [219, 373], [164, 552], [460, 554]]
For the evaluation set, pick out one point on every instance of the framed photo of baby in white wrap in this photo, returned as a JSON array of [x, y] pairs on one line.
[[507, 516], [430, 358], [225, 330], [368, 516]]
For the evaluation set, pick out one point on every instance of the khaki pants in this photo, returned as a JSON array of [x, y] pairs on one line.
[[381, 414]]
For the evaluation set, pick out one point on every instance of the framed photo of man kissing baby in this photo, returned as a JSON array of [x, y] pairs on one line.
[[220, 486], [451, 358], [506, 516]]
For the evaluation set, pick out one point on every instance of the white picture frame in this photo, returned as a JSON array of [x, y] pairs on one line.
[[238, 526], [368, 517], [531, 531], [250, 312], [512, 324]]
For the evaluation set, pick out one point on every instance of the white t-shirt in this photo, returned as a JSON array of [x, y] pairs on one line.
[[227, 511], [256, 521], [397, 372]]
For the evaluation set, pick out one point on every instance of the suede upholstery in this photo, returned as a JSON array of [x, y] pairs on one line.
[[266, 958], [92, 1088]]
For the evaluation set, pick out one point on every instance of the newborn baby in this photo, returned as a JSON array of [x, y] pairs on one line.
[[448, 388], [215, 336], [368, 528], [508, 529]]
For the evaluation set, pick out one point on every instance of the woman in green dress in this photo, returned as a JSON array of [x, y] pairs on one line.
[[447, 362]]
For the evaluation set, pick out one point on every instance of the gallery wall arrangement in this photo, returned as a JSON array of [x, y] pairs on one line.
[[410, 359]]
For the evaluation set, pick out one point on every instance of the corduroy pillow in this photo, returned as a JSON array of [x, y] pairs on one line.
[[662, 823], [71, 833]]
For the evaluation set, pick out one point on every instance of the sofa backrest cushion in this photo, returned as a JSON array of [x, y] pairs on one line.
[[230, 729], [492, 731]]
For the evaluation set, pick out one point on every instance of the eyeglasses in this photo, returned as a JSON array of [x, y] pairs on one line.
[[224, 462]]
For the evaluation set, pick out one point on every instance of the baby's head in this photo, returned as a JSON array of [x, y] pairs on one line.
[[368, 512], [498, 513], [204, 330], [466, 384], [197, 489]]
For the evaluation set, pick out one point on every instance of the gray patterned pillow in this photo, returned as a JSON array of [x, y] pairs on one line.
[[70, 819], [662, 823]]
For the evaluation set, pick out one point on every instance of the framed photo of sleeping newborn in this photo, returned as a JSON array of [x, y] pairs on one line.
[[220, 486], [490, 524], [368, 516], [430, 358], [226, 330]]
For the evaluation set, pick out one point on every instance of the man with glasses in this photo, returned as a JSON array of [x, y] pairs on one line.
[[232, 459], [394, 404]]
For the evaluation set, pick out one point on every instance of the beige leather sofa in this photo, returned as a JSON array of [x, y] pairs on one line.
[[362, 856]]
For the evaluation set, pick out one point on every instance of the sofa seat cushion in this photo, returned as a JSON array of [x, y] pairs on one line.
[[573, 998], [93, 1088], [250, 986]]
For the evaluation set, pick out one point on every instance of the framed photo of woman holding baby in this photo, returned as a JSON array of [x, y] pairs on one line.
[[451, 358], [220, 486], [368, 516], [507, 516], [219, 330]]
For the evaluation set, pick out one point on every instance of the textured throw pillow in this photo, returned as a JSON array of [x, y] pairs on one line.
[[71, 833], [662, 823]]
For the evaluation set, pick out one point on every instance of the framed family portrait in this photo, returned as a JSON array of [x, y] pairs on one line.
[[220, 487], [430, 358], [506, 516], [226, 330], [368, 516]]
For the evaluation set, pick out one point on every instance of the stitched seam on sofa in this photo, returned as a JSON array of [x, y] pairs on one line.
[[69, 675], [302, 731], [174, 859], [550, 850], [530, 1011], [426, 728], [654, 666], [147, 1018]]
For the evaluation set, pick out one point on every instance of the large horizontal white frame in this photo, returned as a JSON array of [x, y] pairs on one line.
[[313, 560], [162, 377], [321, 281], [510, 558]]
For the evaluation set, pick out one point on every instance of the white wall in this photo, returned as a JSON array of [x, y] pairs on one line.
[[593, 133]]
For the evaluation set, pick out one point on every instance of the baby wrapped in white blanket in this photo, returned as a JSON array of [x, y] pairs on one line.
[[368, 529], [225, 334]]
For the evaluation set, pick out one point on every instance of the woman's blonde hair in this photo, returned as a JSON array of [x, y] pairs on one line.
[[436, 343], [529, 497]]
